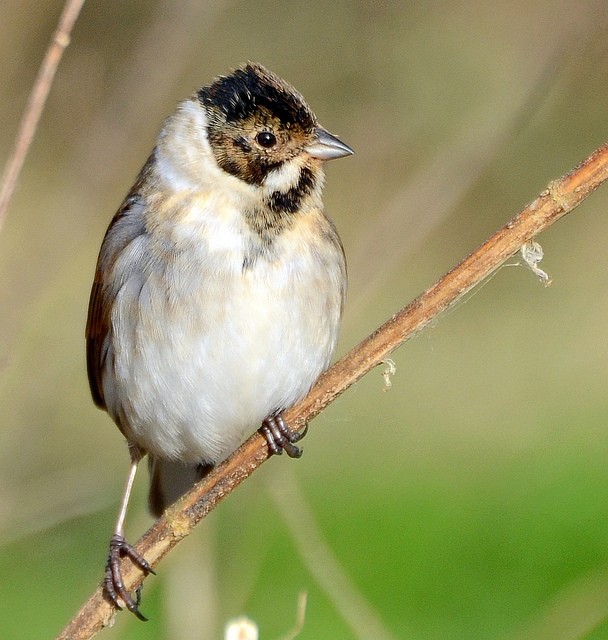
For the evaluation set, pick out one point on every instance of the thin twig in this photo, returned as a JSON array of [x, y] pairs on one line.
[[36, 102], [560, 197], [357, 613]]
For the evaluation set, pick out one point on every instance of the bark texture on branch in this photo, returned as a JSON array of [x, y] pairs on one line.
[[559, 198]]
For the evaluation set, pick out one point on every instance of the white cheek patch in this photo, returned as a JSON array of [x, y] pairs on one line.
[[283, 178], [172, 174], [185, 160]]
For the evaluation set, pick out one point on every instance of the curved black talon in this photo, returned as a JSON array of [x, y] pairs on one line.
[[280, 437], [113, 583]]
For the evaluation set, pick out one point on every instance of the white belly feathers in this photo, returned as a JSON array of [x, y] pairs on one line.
[[198, 374]]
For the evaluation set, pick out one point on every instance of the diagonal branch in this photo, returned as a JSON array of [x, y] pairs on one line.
[[36, 102], [558, 199]]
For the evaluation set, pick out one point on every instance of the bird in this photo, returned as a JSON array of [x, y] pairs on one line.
[[218, 292]]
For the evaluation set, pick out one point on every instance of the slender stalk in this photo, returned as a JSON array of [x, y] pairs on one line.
[[36, 102]]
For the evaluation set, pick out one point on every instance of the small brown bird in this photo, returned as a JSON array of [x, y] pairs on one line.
[[219, 288]]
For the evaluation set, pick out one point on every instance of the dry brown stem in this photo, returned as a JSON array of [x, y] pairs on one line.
[[36, 102], [558, 199]]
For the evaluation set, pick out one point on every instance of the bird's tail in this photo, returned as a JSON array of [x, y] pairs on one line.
[[170, 480]]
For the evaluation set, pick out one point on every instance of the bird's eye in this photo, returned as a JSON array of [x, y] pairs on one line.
[[266, 139]]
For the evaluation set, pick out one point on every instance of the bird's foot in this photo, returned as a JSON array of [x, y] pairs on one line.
[[113, 583], [280, 437]]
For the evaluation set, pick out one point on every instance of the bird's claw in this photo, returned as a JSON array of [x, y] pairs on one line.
[[113, 582], [280, 437]]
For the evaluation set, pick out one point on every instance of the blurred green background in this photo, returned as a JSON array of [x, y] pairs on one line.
[[469, 501]]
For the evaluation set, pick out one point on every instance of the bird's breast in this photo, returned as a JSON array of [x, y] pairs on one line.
[[209, 346]]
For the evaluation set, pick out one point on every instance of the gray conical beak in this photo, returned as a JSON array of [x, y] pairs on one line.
[[327, 147]]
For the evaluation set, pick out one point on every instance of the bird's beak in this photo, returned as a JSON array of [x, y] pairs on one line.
[[327, 147]]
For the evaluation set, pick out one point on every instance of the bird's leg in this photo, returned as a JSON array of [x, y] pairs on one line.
[[280, 437], [113, 582]]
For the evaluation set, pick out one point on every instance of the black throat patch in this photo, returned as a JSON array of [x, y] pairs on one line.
[[285, 202], [277, 213]]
